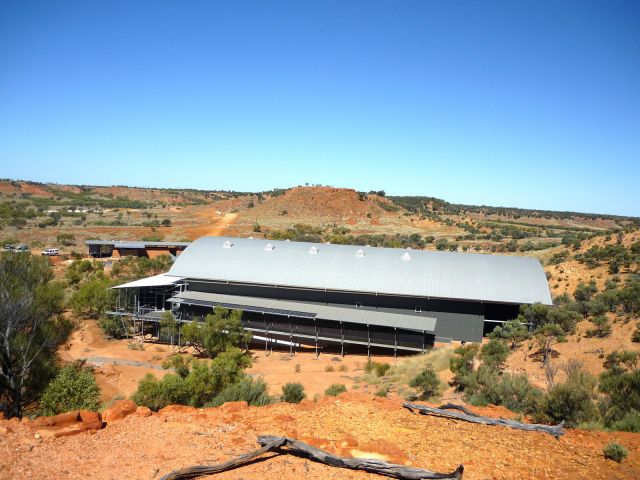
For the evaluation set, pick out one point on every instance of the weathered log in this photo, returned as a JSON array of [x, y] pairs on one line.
[[202, 470], [455, 406], [298, 448], [285, 445], [555, 430]]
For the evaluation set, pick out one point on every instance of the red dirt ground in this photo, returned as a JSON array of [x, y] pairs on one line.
[[349, 425]]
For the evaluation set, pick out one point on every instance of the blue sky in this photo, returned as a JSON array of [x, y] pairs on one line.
[[530, 104]]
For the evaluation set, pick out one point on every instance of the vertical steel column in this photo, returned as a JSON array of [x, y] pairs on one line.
[[395, 342]]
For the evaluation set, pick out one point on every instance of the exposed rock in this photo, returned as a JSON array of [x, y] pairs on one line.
[[60, 420], [118, 410], [231, 407], [143, 411]]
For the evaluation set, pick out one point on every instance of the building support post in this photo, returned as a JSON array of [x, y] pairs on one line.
[[315, 324], [290, 338], [341, 339], [368, 342], [395, 342]]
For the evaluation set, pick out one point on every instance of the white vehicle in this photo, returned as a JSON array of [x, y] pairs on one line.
[[50, 252]]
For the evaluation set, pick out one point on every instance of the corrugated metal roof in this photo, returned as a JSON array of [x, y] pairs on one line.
[[353, 315], [155, 281], [393, 271]]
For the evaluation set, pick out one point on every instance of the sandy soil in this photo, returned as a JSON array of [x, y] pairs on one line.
[[349, 425], [118, 369], [590, 352]]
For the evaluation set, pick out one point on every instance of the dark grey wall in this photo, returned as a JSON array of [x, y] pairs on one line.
[[457, 320]]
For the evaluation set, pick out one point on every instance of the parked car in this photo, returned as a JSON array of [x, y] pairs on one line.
[[50, 252], [9, 248], [21, 248]]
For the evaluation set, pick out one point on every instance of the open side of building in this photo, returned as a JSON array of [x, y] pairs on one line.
[[133, 248], [348, 295]]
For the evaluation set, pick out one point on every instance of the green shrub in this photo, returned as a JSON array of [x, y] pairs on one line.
[[218, 332], [571, 401], [293, 393], [494, 353], [488, 386], [382, 392], [335, 389], [629, 423], [73, 388], [614, 451], [602, 328], [252, 391], [513, 331], [93, 298], [380, 369], [203, 382], [635, 338], [112, 326], [461, 364], [426, 382], [621, 383]]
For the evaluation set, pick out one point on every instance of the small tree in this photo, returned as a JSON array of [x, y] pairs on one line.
[[546, 336], [426, 382], [93, 298], [66, 239], [513, 331], [494, 353], [219, 331], [166, 222], [293, 393], [73, 388], [31, 329], [168, 325]]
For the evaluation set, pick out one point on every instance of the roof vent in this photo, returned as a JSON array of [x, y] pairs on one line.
[[314, 250], [287, 240], [406, 256], [250, 238], [227, 244], [360, 253], [269, 248]]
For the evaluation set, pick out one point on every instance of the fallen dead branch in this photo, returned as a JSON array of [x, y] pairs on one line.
[[468, 416], [285, 445]]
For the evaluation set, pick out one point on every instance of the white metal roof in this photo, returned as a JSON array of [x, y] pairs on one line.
[[155, 281], [392, 271]]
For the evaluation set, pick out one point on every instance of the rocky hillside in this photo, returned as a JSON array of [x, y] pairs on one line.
[[37, 214]]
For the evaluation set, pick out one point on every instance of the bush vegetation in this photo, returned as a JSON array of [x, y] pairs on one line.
[[426, 382], [73, 388], [335, 389], [196, 382], [293, 393], [253, 391], [614, 451], [218, 332], [32, 327]]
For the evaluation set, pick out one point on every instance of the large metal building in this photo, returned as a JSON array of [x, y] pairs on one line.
[[322, 294]]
